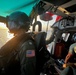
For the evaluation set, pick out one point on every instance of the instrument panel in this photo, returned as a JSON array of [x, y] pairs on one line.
[[64, 23]]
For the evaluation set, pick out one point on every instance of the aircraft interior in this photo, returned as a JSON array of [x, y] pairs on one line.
[[51, 51]]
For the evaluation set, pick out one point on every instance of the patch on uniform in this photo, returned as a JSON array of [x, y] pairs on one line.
[[30, 53], [30, 43], [75, 49]]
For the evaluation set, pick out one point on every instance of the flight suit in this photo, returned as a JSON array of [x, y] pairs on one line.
[[72, 49], [27, 58], [71, 53], [17, 56], [70, 70]]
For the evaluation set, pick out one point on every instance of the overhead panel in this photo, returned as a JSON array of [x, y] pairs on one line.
[[71, 9]]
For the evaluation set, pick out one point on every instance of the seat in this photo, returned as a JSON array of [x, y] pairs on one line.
[[42, 54], [40, 40]]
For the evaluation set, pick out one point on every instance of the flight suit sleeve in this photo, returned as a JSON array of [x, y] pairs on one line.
[[71, 49], [70, 53], [27, 58]]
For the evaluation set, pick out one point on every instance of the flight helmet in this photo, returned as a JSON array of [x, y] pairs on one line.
[[18, 20]]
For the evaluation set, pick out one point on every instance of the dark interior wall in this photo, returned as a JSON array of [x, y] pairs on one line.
[[57, 2]]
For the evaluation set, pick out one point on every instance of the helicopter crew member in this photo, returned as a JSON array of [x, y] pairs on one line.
[[18, 54]]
